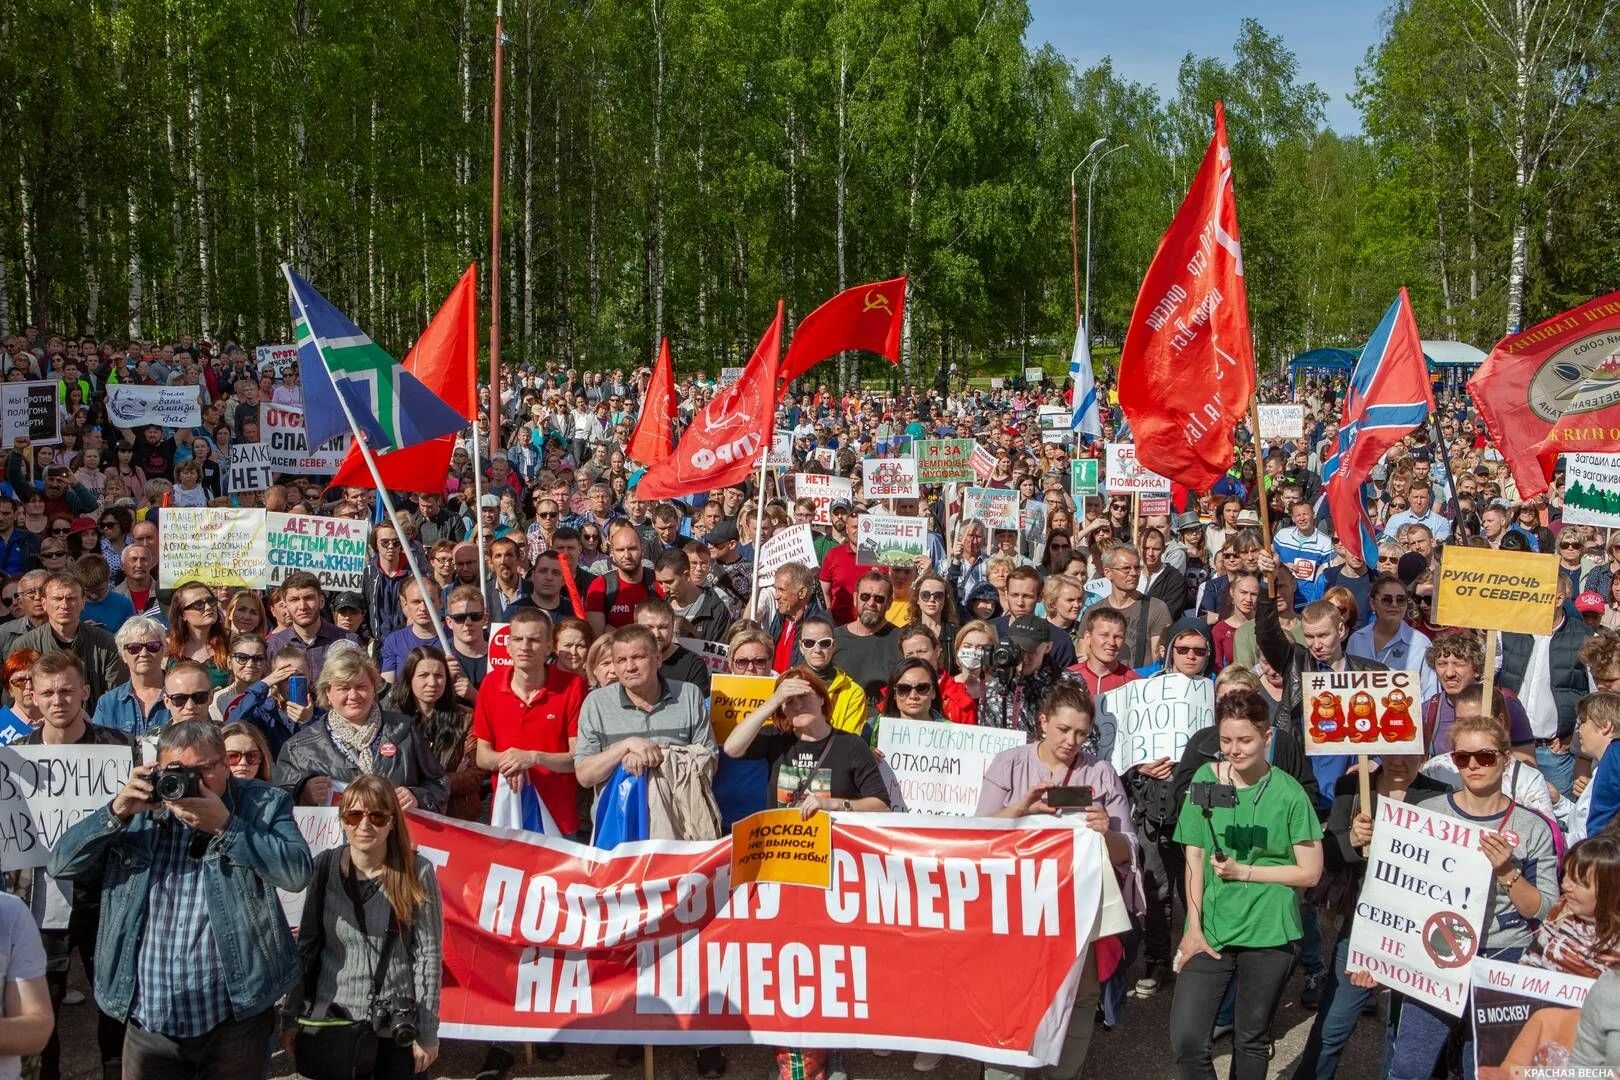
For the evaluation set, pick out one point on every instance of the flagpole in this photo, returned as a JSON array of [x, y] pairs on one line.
[[478, 505], [495, 249], [371, 466], [759, 524]]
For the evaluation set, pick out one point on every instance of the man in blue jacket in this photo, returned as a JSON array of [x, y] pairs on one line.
[[194, 951]]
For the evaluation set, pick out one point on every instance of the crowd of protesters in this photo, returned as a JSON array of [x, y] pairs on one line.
[[304, 695]]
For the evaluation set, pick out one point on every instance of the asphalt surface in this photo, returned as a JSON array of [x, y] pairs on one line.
[[1140, 1047]]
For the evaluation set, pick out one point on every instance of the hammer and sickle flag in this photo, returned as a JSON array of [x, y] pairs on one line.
[[866, 317], [726, 438]]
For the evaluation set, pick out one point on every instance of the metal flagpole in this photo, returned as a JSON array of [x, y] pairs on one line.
[[759, 527], [371, 466], [478, 505]]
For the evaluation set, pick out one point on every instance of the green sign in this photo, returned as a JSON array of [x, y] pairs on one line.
[[944, 461], [1083, 477]]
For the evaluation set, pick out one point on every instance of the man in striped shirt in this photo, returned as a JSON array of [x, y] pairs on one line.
[[1305, 552]]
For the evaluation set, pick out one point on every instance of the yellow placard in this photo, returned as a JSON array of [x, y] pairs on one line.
[[782, 846], [1488, 589], [733, 697]]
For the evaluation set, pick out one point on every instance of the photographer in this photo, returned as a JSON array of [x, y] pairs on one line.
[[1017, 677], [197, 951], [369, 943], [1251, 838]]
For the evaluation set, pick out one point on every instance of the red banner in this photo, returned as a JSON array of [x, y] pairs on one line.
[[1186, 373], [1563, 373], [867, 317], [647, 944], [654, 434]]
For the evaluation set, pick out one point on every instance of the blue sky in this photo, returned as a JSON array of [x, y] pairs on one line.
[[1148, 40]]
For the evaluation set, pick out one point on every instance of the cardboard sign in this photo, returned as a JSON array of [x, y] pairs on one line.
[[1363, 712], [250, 468], [1149, 719], [1083, 477], [1524, 1018], [131, 406], [1127, 477], [1152, 505], [889, 478], [1592, 490], [46, 790], [714, 654], [940, 767], [276, 359], [213, 545], [1496, 590], [983, 463], [1034, 375], [782, 846], [333, 549], [825, 490], [995, 508], [780, 455], [29, 410], [1282, 421], [281, 429], [729, 375], [321, 830], [887, 540], [826, 457], [1417, 923], [944, 461], [794, 544], [733, 697], [500, 645]]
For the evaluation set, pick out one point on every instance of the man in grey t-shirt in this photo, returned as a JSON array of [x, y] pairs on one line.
[[630, 722], [25, 1019]]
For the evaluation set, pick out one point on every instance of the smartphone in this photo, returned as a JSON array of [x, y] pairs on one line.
[[298, 689], [1063, 798]]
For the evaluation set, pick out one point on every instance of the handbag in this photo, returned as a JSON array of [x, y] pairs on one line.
[[338, 1048]]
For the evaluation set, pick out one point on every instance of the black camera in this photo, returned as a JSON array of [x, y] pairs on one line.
[[391, 1020], [176, 781], [1209, 797], [1005, 655]]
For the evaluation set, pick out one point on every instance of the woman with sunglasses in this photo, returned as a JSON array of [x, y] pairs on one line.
[[357, 738], [911, 694], [1389, 638], [372, 906], [1527, 520], [264, 703], [426, 693], [21, 715], [196, 631], [935, 608], [137, 706], [1520, 846], [249, 659], [247, 755]]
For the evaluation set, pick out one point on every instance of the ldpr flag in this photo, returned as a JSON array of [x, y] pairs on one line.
[[726, 438], [445, 360], [1086, 419], [1389, 395], [866, 317], [1553, 389], [654, 434], [390, 406], [1187, 370]]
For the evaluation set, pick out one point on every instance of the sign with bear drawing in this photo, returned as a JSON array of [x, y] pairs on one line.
[[1362, 712]]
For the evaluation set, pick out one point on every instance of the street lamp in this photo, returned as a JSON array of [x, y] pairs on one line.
[[1091, 179], [1074, 225]]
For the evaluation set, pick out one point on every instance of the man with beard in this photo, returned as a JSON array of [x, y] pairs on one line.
[[870, 644]]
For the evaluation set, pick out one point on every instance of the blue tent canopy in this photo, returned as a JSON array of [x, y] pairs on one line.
[[1330, 360]]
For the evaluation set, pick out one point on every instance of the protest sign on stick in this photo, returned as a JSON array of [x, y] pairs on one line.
[[1149, 719], [994, 508], [46, 790], [1126, 476], [1362, 712], [1491, 590], [887, 540], [944, 461], [889, 478], [1282, 421], [1417, 924], [213, 545], [1083, 477], [794, 544], [940, 767], [333, 549]]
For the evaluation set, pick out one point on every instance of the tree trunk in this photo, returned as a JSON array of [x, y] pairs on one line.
[[199, 194], [136, 293], [840, 193]]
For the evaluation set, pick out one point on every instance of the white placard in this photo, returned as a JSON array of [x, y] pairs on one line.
[[888, 540], [131, 406], [214, 545], [889, 478], [825, 490], [1149, 719], [994, 508], [1417, 924], [1127, 477], [250, 468], [276, 359], [281, 429], [1282, 421], [780, 455], [714, 654], [1592, 490], [30, 411], [940, 767], [794, 544], [333, 549], [46, 790], [321, 830]]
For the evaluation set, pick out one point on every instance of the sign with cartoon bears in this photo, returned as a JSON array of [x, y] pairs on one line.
[[1362, 712]]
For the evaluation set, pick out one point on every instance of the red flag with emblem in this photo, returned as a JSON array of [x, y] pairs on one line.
[[867, 317], [727, 436], [1186, 373], [654, 435]]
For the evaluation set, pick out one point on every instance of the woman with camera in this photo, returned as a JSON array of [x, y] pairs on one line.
[[369, 940], [1251, 838]]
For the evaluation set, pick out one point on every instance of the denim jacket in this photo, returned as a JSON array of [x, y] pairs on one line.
[[259, 851]]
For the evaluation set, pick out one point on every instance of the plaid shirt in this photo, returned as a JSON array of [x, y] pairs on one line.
[[179, 982]]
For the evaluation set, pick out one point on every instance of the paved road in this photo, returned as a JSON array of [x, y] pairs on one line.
[[1138, 1049]]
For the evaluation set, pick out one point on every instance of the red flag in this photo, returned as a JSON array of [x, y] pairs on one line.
[[1187, 370], [654, 435], [1553, 389], [866, 317], [727, 437], [445, 360]]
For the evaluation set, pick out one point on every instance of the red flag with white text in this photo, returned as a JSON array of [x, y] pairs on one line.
[[654, 434], [727, 436], [1186, 374], [867, 317]]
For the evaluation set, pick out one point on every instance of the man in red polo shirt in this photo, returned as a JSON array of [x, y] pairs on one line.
[[1103, 638], [527, 717]]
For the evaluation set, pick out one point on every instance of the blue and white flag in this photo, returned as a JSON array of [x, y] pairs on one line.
[[1087, 420]]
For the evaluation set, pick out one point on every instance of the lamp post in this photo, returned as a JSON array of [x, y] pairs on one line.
[[1074, 225], [1091, 179]]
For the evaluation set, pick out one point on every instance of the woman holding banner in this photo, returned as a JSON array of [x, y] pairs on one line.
[[1016, 784], [1251, 838], [1519, 843]]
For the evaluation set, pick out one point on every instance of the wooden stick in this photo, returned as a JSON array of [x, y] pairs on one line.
[[1489, 707], [646, 1063], [1365, 782]]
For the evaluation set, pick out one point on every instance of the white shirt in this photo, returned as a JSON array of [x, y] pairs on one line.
[[1536, 692]]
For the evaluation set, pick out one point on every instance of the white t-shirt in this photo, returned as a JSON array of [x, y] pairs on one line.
[[22, 957]]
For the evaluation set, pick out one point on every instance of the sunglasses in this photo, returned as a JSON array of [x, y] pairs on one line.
[[19, 681], [910, 689], [545, 516], [138, 647], [200, 606], [465, 616], [872, 598], [760, 662], [380, 819], [816, 643], [60, 530], [931, 594], [1569, 547], [249, 657], [1485, 759], [109, 524], [49, 555], [1191, 650], [196, 697], [237, 757], [388, 543]]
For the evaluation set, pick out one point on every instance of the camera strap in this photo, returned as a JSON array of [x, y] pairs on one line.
[[352, 887]]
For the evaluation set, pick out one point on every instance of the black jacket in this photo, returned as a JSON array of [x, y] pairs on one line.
[[413, 764], [1291, 660], [1569, 678], [1171, 587]]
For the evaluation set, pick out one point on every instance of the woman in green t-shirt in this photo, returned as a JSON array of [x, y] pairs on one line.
[[1245, 859]]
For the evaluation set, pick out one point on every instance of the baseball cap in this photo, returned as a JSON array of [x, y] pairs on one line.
[[1411, 567], [841, 504], [348, 601], [723, 533], [490, 502], [1589, 602], [1029, 631]]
